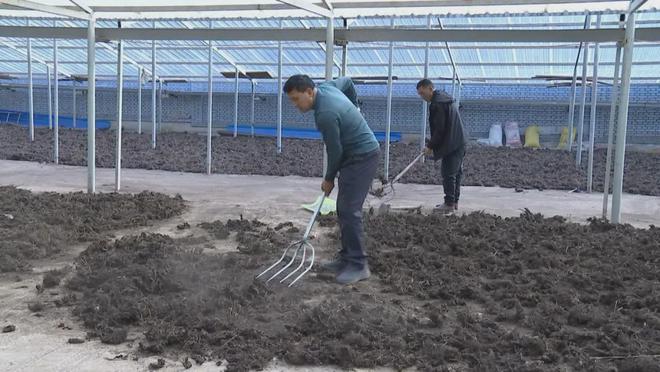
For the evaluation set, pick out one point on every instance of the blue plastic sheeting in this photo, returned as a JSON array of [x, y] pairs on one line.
[[300, 133], [41, 120]]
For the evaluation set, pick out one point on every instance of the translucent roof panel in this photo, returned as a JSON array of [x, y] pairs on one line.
[[474, 61]]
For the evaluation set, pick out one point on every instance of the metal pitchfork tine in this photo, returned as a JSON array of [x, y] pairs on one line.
[[303, 245]]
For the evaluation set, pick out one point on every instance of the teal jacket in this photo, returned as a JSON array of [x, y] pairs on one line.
[[344, 130]]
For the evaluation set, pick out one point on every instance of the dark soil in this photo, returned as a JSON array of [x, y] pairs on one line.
[[8, 329], [52, 278], [484, 166], [41, 225], [36, 307], [474, 293], [76, 341]]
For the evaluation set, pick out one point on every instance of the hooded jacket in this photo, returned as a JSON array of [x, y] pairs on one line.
[[446, 126]]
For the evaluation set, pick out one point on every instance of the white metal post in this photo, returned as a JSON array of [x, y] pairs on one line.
[[280, 60], [252, 109], [622, 123], [74, 116], [610, 131], [329, 64], [585, 64], [160, 104], [236, 103], [50, 98], [209, 123], [30, 88], [56, 104], [457, 99], [453, 82], [91, 105], [344, 52], [153, 91], [120, 98], [425, 105], [139, 100], [571, 111], [592, 116], [388, 119]]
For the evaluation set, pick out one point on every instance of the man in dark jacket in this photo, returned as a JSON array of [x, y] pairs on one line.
[[353, 153], [447, 141]]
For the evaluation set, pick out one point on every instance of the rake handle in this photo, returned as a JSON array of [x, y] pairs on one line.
[[406, 169]]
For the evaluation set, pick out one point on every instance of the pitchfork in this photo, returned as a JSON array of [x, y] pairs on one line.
[[302, 246]]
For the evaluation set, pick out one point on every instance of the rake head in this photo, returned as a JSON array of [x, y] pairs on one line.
[[303, 252], [386, 190]]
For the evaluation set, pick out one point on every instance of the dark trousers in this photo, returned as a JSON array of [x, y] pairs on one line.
[[451, 171], [355, 178]]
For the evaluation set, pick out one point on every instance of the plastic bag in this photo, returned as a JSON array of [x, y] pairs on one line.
[[563, 140], [495, 135], [512, 134], [532, 137]]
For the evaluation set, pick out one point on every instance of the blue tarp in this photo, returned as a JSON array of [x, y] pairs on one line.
[[301, 133], [41, 120]]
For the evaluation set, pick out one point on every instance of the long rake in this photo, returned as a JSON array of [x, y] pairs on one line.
[[302, 249], [388, 187]]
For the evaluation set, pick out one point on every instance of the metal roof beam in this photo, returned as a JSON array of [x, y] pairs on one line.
[[315, 7], [403, 47], [80, 4], [363, 64], [318, 34], [55, 10], [312, 8], [635, 5]]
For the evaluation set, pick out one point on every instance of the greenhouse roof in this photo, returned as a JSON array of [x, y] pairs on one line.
[[475, 61]]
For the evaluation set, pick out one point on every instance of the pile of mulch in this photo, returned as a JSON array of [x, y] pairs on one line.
[[474, 293], [39, 225], [186, 152]]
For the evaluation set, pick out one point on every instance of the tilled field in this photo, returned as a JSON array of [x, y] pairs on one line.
[[470, 293], [34, 226], [511, 168]]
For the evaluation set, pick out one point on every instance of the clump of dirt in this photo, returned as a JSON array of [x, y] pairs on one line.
[[283, 225], [76, 341], [36, 306], [41, 225], [8, 328], [160, 363], [328, 220], [184, 152], [217, 229], [52, 278], [562, 281]]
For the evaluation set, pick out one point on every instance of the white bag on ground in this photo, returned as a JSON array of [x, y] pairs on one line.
[[495, 135], [512, 133]]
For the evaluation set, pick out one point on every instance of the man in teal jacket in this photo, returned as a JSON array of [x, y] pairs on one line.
[[353, 152]]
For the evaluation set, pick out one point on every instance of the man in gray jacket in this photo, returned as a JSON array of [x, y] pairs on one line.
[[447, 141], [353, 153]]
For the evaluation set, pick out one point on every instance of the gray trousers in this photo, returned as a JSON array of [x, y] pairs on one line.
[[355, 178]]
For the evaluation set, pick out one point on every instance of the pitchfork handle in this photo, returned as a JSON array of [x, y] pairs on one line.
[[316, 213]]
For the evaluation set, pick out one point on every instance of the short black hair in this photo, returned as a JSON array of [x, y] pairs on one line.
[[424, 83], [299, 83]]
